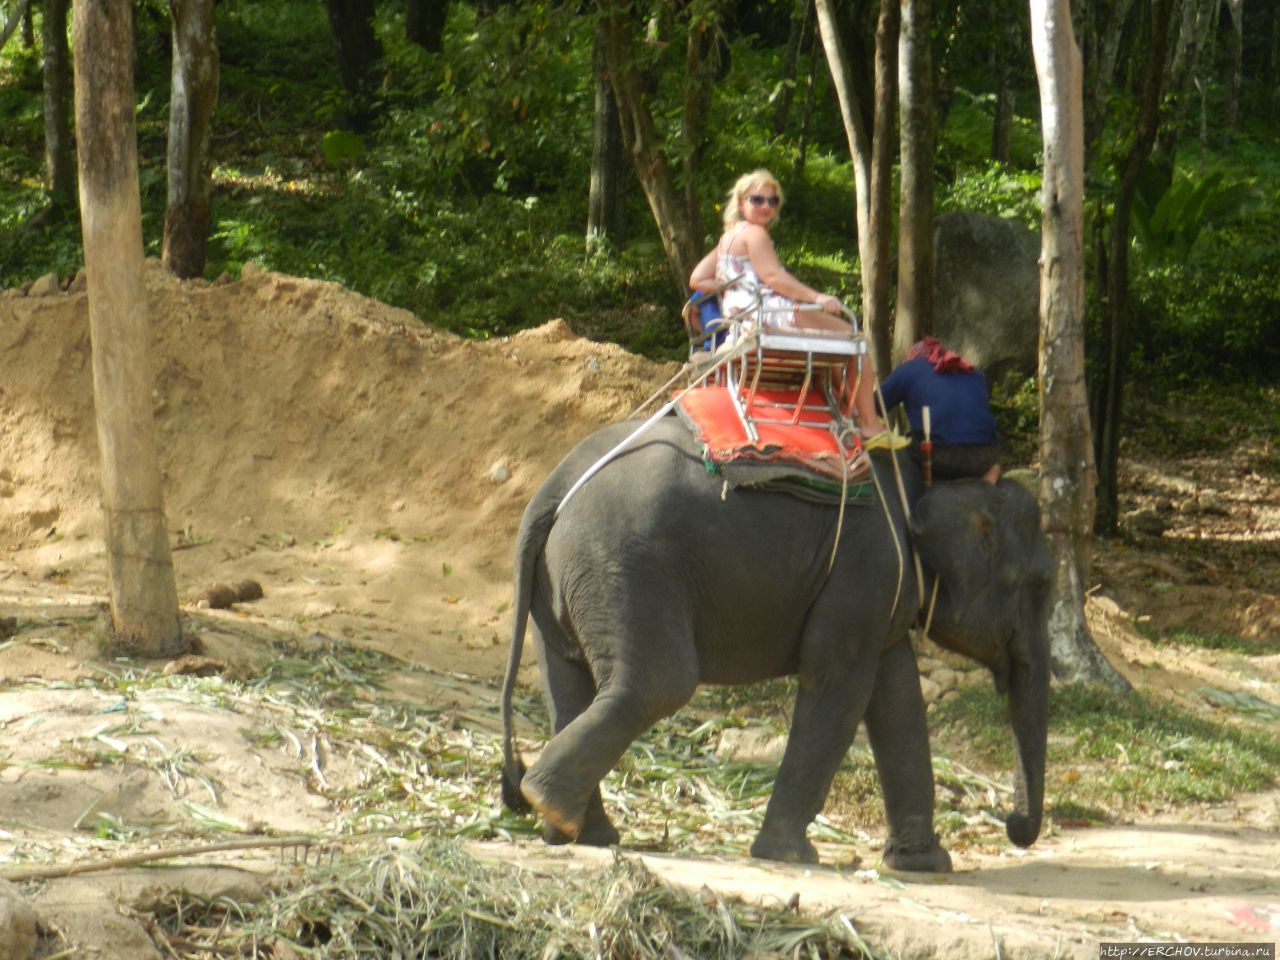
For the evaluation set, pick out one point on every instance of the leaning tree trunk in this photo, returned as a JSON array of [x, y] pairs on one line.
[[855, 129], [16, 17], [875, 271], [58, 156], [1066, 449], [915, 208], [680, 237], [144, 597], [195, 94]]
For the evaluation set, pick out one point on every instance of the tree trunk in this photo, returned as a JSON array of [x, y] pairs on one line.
[[855, 127], [359, 50], [1104, 69], [15, 18], [59, 159], [1002, 125], [1184, 66], [700, 74], [876, 270], [915, 209], [680, 238], [806, 115], [194, 97], [1066, 450], [1235, 64], [604, 202], [424, 22], [797, 37], [1109, 413], [144, 597]]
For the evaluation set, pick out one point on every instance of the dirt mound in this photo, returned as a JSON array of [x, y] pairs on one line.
[[364, 467]]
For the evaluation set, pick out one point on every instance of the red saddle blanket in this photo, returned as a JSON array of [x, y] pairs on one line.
[[821, 444]]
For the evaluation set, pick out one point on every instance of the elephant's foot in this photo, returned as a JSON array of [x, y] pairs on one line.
[[592, 834], [788, 849], [925, 856], [558, 818]]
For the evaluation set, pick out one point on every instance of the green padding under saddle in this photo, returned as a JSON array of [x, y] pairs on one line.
[[791, 480]]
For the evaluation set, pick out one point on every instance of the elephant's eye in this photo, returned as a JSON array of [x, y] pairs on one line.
[[1008, 577]]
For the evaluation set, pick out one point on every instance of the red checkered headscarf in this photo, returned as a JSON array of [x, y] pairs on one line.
[[942, 359]]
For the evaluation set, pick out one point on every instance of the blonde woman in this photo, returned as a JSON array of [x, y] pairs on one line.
[[745, 253]]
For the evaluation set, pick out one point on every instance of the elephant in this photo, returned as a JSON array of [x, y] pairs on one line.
[[654, 576]]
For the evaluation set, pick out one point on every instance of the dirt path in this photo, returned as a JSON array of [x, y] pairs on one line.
[[369, 473]]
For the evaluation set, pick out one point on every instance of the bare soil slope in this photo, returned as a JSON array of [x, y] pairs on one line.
[[369, 472]]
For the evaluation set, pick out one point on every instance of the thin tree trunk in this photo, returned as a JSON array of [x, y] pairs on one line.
[[1103, 74], [144, 597], [1066, 450], [1110, 412], [1006, 98], [1183, 70], [797, 37], [359, 50], [640, 136], [855, 128], [604, 200], [1235, 64], [194, 98], [806, 115], [59, 159], [876, 270], [1274, 66], [915, 210], [700, 73], [15, 18], [424, 22]]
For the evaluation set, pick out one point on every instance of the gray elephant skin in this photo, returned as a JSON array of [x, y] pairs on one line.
[[655, 578]]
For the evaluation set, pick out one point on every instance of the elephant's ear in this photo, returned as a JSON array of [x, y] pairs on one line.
[[956, 540]]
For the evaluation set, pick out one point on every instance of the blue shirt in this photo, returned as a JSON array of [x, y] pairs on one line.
[[958, 402]]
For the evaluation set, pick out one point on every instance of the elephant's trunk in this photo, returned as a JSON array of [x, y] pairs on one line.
[[1029, 716]]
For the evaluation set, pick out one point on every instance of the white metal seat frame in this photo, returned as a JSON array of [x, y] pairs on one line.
[[785, 360]]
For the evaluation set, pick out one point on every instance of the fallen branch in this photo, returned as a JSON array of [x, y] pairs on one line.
[[57, 871]]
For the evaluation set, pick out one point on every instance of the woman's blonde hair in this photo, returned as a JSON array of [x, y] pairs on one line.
[[745, 185]]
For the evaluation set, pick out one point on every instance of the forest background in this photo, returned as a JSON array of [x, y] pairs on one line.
[[450, 173]]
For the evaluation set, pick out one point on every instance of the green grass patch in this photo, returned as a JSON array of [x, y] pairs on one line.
[[1108, 752]]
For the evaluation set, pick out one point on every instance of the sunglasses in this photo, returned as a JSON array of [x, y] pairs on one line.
[[759, 200]]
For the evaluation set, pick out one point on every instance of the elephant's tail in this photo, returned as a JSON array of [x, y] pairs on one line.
[[534, 528]]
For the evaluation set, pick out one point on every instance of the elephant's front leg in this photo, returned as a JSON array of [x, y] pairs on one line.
[[829, 705], [900, 742]]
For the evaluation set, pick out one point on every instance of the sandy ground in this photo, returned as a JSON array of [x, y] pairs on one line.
[[369, 473]]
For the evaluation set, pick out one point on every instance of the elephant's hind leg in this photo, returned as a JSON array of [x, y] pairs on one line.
[[568, 690], [564, 784]]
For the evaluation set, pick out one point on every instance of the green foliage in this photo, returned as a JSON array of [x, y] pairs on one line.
[[1170, 212], [1115, 753], [467, 200], [996, 190]]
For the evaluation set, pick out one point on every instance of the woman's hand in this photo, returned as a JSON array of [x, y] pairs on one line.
[[828, 304]]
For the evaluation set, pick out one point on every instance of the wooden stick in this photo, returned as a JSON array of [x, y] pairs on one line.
[[55, 871]]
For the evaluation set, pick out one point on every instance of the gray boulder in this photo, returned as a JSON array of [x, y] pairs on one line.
[[987, 291]]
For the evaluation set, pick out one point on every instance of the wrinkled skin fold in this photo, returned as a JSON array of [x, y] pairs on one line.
[[654, 578]]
